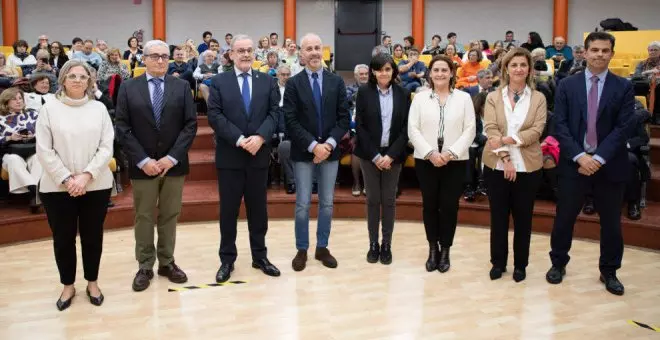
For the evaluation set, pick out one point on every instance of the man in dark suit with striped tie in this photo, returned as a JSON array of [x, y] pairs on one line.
[[156, 122], [243, 107]]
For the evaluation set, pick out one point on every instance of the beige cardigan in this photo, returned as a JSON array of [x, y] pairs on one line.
[[495, 125]]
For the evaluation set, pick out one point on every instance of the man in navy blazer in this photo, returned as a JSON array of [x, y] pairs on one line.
[[594, 112], [316, 112], [485, 78], [242, 109]]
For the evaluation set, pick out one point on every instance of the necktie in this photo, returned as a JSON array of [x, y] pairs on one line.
[[316, 91], [246, 92], [157, 99], [592, 113]]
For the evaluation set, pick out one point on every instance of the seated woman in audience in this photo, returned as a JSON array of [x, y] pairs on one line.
[[41, 85], [21, 57], [467, 74], [133, 53], [474, 179], [441, 128], [102, 49], [44, 68], [485, 48], [650, 68], [498, 44], [76, 46], [190, 51], [291, 56], [284, 50], [262, 49], [450, 51], [398, 54], [272, 62], [494, 67], [514, 118], [113, 66], [540, 66], [412, 71], [434, 49], [204, 72], [17, 130], [534, 41], [7, 73], [76, 183], [57, 56], [382, 136], [475, 45]]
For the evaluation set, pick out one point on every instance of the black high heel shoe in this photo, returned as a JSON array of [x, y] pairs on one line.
[[62, 305], [96, 301]]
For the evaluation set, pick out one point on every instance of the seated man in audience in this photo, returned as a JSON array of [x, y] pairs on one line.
[[76, 46], [559, 51], [88, 55], [227, 46], [204, 72], [639, 169], [206, 44], [451, 40], [412, 71], [408, 43], [387, 44], [566, 67], [42, 44], [361, 74], [272, 62], [485, 79], [180, 68], [509, 40]]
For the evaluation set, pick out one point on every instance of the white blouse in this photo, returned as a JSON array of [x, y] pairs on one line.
[[515, 116]]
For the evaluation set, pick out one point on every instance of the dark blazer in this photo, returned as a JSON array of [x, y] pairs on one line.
[[369, 127], [474, 90], [301, 119], [60, 61], [614, 125], [229, 120], [136, 126]]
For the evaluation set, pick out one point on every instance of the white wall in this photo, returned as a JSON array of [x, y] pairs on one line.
[[255, 18], [397, 19], [488, 19], [583, 16], [316, 16], [111, 20]]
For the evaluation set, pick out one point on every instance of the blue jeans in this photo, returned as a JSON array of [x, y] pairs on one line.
[[327, 175]]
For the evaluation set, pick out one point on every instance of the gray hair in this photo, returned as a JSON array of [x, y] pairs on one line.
[[380, 49], [64, 71], [484, 73], [358, 67], [309, 36], [207, 52], [578, 48], [239, 37], [655, 44], [153, 43], [283, 67], [537, 52]]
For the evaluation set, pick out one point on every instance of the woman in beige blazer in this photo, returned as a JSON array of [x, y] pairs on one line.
[[441, 128], [514, 118]]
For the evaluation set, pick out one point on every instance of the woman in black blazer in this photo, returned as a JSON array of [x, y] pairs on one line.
[[57, 56], [381, 114]]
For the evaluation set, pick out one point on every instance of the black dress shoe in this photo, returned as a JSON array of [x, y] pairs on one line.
[[142, 279], [224, 273], [315, 188], [496, 273], [173, 273], [290, 189], [96, 301], [62, 305], [519, 274], [588, 207], [300, 260], [634, 213], [481, 188], [110, 204], [374, 252], [443, 263], [555, 275], [386, 253], [469, 195], [323, 254], [266, 267], [434, 256], [612, 284]]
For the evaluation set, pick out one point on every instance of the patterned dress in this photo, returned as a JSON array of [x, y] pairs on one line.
[[17, 122]]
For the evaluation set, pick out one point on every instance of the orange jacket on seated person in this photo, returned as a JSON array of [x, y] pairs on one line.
[[468, 69]]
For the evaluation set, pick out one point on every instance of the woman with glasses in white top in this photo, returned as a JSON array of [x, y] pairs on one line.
[[514, 118], [441, 128]]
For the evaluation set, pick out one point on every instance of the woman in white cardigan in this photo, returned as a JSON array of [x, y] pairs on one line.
[[74, 145], [441, 127]]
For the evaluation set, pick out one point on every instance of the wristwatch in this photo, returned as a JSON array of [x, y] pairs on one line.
[[66, 179]]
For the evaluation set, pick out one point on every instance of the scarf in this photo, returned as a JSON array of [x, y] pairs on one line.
[[66, 100]]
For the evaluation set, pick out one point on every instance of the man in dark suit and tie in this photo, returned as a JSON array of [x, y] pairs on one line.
[[243, 107], [593, 120], [485, 78], [316, 113], [156, 123]]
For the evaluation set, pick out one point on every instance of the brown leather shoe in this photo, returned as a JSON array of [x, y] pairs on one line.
[[323, 255], [173, 273], [142, 279], [300, 261]]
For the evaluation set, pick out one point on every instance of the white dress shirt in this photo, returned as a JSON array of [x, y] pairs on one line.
[[515, 116]]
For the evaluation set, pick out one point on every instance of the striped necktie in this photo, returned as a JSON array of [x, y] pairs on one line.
[[158, 99]]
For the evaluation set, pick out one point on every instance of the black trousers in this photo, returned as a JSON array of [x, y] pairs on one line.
[[66, 217], [634, 184], [381, 194], [474, 173], [441, 189], [511, 198], [608, 197], [234, 185]]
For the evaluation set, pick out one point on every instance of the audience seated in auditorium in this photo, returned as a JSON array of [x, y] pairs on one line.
[[133, 53], [17, 127], [542, 67], [467, 74], [113, 66], [434, 48], [291, 55], [263, 46], [452, 40], [20, 56], [474, 182], [408, 43], [534, 41], [485, 48], [189, 50], [399, 54], [412, 71], [102, 49], [509, 40], [648, 69], [205, 45], [283, 51], [271, 64], [475, 45], [43, 68], [559, 51], [180, 68], [387, 44], [76, 46], [566, 66], [205, 71], [497, 57], [361, 76], [88, 55], [497, 45], [41, 86], [42, 44], [227, 45], [639, 168], [485, 83], [57, 56], [450, 51], [7, 73]]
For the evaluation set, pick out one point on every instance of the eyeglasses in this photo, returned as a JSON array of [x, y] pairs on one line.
[[244, 51], [77, 77], [285, 74], [157, 57]]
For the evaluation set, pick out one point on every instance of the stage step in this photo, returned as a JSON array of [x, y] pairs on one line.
[[655, 151], [655, 131], [202, 121], [202, 165], [204, 139]]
